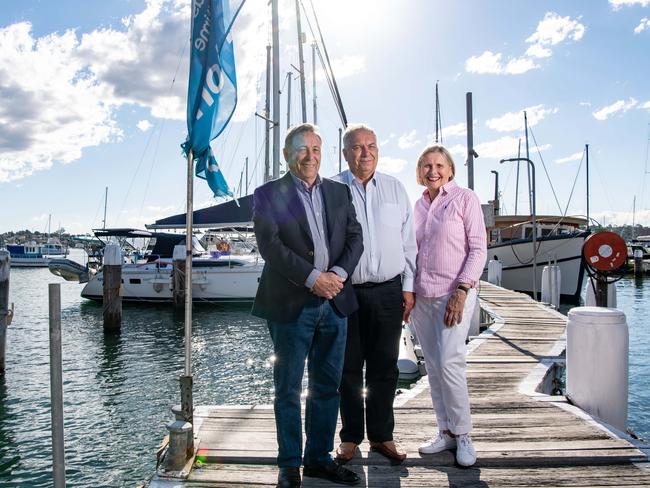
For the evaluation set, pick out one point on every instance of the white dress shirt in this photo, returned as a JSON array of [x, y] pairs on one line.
[[384, 212]]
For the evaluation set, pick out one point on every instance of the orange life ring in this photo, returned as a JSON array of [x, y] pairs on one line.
[[605, 251]]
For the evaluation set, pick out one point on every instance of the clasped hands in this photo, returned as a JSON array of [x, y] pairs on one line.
[[327, 285]]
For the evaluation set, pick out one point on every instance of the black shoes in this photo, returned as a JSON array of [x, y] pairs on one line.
[[333, 472], [289, 478]]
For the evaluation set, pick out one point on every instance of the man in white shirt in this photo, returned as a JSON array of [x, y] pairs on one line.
[[383, 284]]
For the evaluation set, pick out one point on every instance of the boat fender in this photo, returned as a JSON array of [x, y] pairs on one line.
[[10, 314], [157, 287]]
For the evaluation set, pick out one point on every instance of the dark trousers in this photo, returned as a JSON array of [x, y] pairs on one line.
[[373, 338]]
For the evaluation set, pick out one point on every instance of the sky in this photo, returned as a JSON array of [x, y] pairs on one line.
[[93, 94]]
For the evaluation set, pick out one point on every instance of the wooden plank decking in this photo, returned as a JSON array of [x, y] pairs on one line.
[[523, 439]]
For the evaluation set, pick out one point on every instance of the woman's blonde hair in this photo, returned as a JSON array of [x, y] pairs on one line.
[[434, 148]]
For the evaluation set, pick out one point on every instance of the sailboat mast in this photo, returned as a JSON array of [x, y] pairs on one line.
[[437, 112], [517, 183], [276, 87], [313, 78], [288, 100], [530, 188], [267, 115], [587, 151], [105, 202], [301, 64]]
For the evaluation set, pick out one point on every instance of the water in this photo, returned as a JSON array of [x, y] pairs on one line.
[[118, 390]]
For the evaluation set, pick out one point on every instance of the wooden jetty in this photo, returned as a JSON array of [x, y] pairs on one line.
[[523, 438]]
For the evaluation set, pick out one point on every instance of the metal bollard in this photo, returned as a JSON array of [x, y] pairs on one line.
[[177, 453]]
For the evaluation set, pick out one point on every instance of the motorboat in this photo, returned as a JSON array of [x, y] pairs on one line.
[[559, 241], [27, 255], [221, 276]]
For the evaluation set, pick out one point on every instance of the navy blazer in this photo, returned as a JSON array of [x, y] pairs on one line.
[[284, 241]]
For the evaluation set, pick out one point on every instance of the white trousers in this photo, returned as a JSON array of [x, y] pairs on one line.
[[444, 352]]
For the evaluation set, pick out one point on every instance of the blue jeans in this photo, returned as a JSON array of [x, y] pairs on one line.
[[317, 335]]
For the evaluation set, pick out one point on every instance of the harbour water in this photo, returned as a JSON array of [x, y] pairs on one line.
[[118, 390]]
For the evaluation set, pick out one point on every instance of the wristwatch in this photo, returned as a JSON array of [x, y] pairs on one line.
[[465, 288]]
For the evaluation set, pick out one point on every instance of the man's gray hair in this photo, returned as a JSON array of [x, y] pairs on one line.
[[299, 129], [351, 129]]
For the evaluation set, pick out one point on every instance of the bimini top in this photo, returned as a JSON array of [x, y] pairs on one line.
[[227, 214]]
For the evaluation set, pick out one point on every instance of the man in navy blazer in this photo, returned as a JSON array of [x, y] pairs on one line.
[[309, 237]]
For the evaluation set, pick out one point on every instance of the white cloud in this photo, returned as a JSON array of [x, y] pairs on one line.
[[514, 121], [409, 140], [573, 157], [619, 106], [538, 51], [585, 104], [617, 4], [551, 31], [502, 148], [60, 92], [554, 29], [391, 165], [345, 67], [49, 109], [645, 105], [645, 24], [519, 66], [144, 125], [486, 63], [623, 218], [456, 130]]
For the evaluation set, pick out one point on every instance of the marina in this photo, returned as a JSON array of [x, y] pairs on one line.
[[120, 390]]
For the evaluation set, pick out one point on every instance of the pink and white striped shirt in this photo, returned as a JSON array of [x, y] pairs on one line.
[[451, 238]]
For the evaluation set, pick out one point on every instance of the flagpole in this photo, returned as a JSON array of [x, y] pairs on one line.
[[187, 406]]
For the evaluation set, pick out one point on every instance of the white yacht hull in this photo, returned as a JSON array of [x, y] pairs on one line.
[[42, 262], [517, 261], [210, 283]]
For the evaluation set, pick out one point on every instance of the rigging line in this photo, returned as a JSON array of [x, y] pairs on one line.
[[574, 184], [344, 119], [322, 61], [545, 170], [336, 94], [153, 161], [151, 134]]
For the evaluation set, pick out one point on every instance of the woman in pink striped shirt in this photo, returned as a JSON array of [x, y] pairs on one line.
[[452, 250]]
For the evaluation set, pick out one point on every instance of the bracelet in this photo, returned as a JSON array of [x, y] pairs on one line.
[[464, 288]]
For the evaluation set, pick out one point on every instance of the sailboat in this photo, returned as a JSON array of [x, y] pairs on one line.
[[558, 240]]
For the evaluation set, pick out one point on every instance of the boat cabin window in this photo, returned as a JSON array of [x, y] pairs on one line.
[[135, 281]]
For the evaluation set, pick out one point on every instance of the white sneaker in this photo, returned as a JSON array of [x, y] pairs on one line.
[[437, 444], [465, 453]]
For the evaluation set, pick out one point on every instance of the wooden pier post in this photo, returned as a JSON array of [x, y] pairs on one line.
[[178, 273], [638, 262], [4, 304], [112, 271], [56, 386]]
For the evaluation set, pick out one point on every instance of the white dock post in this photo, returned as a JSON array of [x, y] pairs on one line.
[[4, 304], [112, 300], [590, 296], [495, 269], [56, 386], [178, 273], [551, 285], [597, 363]]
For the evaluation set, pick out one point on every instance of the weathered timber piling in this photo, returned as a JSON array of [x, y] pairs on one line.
[[638, 262], [56, 386], [4, 304], [112, 271], [178, 273]]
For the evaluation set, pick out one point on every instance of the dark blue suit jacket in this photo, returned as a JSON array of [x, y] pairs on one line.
[[284, 241]]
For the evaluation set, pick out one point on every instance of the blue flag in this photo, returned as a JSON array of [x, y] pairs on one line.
[[212, 88]]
